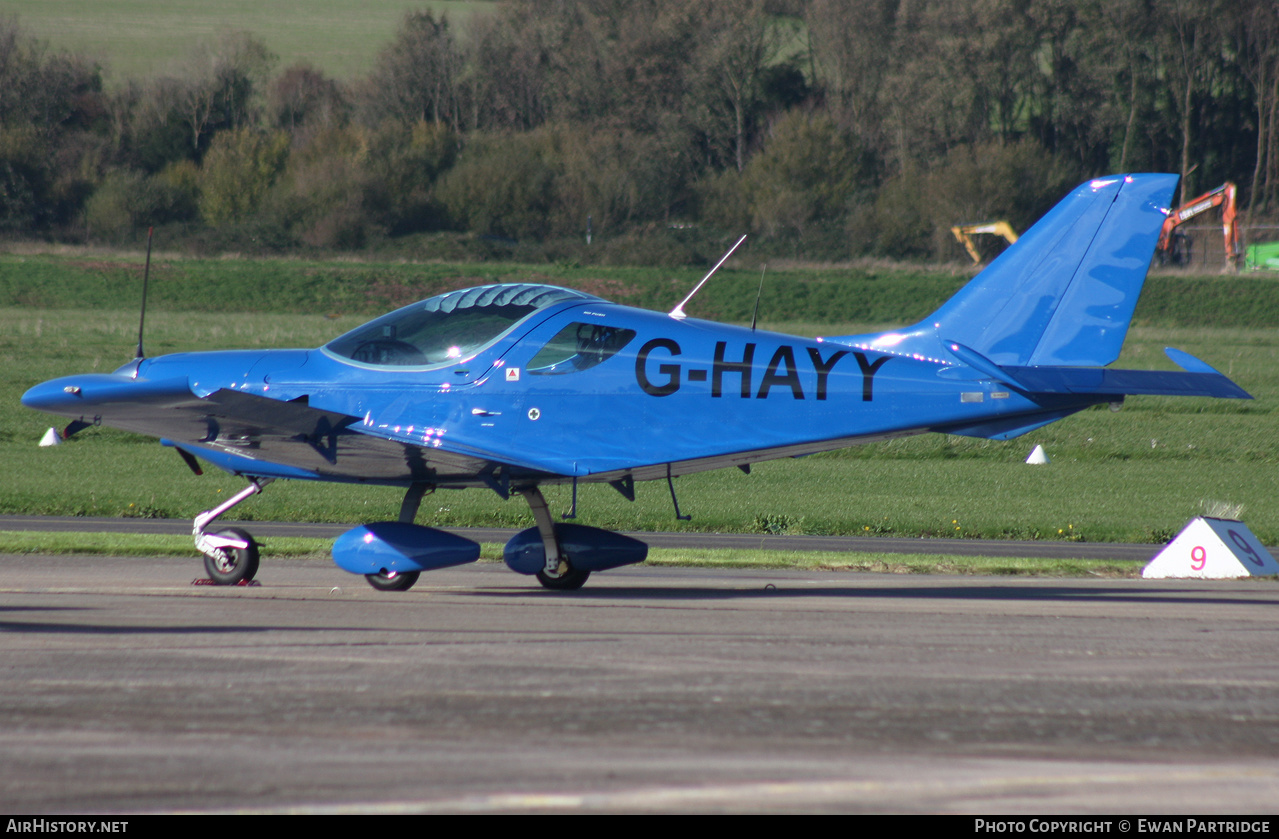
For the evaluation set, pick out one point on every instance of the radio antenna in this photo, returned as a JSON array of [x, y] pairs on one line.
[[758, 294], [146, 276], [678, 311]]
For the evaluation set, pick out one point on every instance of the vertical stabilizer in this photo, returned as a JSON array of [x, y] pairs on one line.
[[1065, 292], [1063, 295]]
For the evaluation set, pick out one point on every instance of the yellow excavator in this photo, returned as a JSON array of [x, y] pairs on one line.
[[964, 234]]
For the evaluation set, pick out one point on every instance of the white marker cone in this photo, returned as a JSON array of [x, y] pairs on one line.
[[51, 438], [1038, 456]]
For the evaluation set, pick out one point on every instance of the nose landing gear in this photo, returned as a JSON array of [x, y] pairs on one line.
[[230, 555]]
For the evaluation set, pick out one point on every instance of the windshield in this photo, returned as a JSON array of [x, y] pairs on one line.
[[449, 327]]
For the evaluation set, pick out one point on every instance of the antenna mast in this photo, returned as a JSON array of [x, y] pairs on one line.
[[758, 294], [146, 275], [678, 311]]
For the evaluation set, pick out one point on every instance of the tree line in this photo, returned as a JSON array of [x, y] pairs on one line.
[[829, 128]]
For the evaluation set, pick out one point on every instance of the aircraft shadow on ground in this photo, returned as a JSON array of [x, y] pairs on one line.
[[773, 590]]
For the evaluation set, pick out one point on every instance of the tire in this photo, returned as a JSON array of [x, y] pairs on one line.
[[233, 565], [393, 581], [570, 580], [1182, 251]]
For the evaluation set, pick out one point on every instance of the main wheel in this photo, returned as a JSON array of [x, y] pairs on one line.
[[570, 578], [393, 580], [228, 566]]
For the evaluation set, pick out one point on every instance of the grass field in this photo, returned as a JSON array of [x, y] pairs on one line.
[[138, 545], [828, 297], [139, 39], [1135, 475]]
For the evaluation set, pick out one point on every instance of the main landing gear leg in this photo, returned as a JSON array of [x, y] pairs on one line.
[[412, 501], [230, 555], [402, 580], [558, 573]]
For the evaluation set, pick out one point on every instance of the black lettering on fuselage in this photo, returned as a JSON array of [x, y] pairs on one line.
[[784, 357], [869, 369], [782, 370], [823, 368], [671, 371], [742, 368]]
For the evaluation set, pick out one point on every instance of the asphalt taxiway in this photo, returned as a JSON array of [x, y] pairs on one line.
[[129, 689]]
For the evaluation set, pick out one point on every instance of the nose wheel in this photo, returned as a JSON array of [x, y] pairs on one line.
[[229, 563]]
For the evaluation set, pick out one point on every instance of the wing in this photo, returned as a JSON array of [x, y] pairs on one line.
[[255, 435]]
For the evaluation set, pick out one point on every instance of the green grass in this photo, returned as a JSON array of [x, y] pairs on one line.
[[128, 544], [1136, 475], [829, 298], [81, 278], [142, 544], [140, 39], [1108, 481]]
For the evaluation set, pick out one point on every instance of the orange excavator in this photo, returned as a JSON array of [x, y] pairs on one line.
[[1174, 246]]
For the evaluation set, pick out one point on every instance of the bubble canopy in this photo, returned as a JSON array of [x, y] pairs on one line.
[[448, 327]]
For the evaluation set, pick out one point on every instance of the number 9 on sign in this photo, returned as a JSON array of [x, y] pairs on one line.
[[1198, 558], [1243, 545]]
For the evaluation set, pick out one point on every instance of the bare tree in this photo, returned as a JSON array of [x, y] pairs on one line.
[[850, 47], [740, 42], [1191, 43], [1126, 29], [219, 85], [302, 96], [1254, 36], [416, 76]]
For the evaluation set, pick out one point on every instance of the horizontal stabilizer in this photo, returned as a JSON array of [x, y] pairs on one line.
[[1102, 380], [1199, 379]]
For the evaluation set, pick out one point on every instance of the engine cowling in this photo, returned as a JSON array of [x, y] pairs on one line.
[[588, 549], [399, 547]]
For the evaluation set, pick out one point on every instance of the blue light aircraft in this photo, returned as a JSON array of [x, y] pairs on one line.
[[511, 387]]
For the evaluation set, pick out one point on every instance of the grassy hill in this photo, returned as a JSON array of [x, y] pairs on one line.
[[864, 293], [141, 39]]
